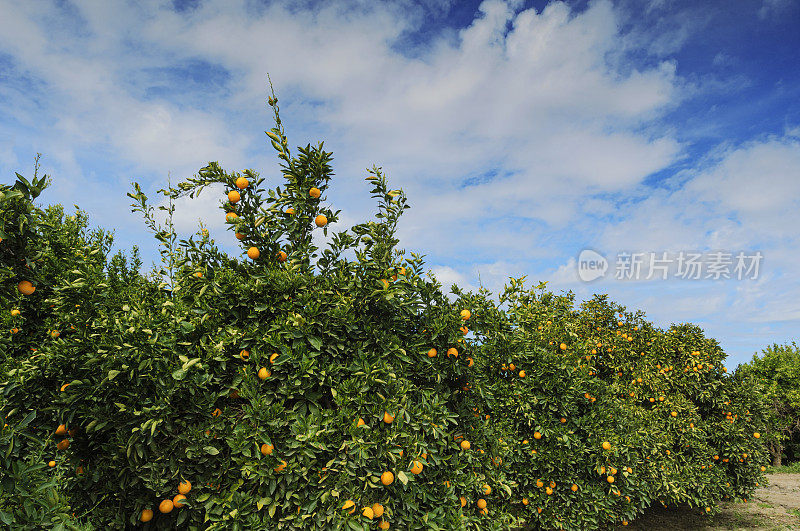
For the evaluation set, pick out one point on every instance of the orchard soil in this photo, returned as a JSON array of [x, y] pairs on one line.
[[774, 507]]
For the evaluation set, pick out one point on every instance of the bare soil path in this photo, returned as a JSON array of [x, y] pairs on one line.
[[775, 507]]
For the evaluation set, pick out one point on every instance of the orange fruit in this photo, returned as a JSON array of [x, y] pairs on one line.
[[321, 221], [465, 314], [486, 489], [674, 413], [384, 524], [367, 512], [281, 256], [184, 487], [63, 445], [280, 467], [233, 196], [290, 211], [377, 510], [166, 506], [360, 422], [606, 445], [61, 430], [537, 435], [64, 387], [14, 313], [432, 353], [198, 274], [26, 288], [146, 516], [349, 504], [563, 346], [522, 374], [610, 479], [242, 183], [463, 501], [539, 483], [244, 354], [757, 435], [266, 449], [51, 464], [315, 193], [387, 418], [177, 501], [574, 488], [481, 503], [273, 357], [216, 413], [465, 445], [387, 478], [263, 373], [525, 501], [231, 217], [452, 352], [253, 253], [471, 362], [416, 467], [239, 236]]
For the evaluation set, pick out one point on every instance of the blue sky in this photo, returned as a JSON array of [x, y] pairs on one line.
[[523, 132]]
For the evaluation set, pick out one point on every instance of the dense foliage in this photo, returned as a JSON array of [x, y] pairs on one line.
[[342, 388], [778, 370]]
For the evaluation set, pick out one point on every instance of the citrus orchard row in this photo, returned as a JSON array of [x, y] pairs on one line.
[[342, 388]]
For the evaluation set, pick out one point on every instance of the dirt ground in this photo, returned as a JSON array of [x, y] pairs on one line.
[[775, 507]]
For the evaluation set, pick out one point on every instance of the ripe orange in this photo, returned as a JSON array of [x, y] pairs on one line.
[[610, 479], [674, 413], [184, 487], [377, 510], [522, 374], [244, 354], [349, 504], [146, 516], [367, 512], [266, 449], [387, 478], [486, 489], [64, 387], [233, 196], [51, 464], [452, 352], [563, 346], [361, 423], [481, 503], [465, 445], [14, 313], [524, 501], [239, 236], [548, 491], [537, 435], [315, 193], [231, 217], [539, 483], [384, 524], [321, 221], [281, 256], [166, 506], [290, 211], [263, 373], [216, 413], [273, 357], [26, 288], [63, 445], [242, 183], [387, 418], [757, 435], [574, 488], [465, 314], [280, 467], [606, 445], [416, 467], [177, 501], [471, 362], [253, 253], [61, 430]]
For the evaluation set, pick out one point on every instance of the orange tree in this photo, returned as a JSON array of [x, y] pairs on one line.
[[606, 414], [291, 389]]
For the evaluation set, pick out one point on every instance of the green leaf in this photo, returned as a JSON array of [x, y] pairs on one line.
[[402, 477], [210, 450], [315, 342]]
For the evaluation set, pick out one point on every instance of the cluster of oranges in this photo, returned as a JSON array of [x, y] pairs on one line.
[[168, 505]]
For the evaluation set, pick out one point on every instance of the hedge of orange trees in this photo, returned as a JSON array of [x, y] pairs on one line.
[[300, 388]]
